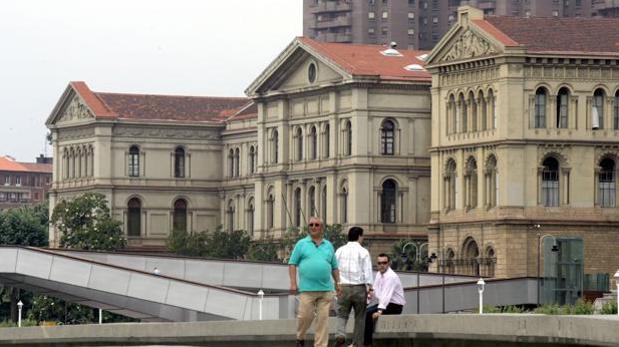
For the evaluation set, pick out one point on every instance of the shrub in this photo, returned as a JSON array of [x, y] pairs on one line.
[[609, 308]]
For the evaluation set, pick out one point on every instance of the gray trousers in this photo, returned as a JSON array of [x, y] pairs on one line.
[[353, 297]]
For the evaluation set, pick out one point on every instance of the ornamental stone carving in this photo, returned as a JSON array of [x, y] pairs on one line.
[[469, 45], [74, 111], [144, 132], [75, 134]]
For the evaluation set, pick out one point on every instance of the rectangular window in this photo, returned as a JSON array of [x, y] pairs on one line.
[[371, 31], [371, 15], [550, 188], [385, 14], [18, 180], [7, 180], [607, 189], [411, 15], [2, 196], [411, 31], [435, 19], [540, 110], [562, 116]]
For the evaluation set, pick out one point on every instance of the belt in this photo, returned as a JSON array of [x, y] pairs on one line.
[[351, 285]]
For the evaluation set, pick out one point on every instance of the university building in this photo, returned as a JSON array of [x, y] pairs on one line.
[[324, 134], [500, 147], [525, 144]]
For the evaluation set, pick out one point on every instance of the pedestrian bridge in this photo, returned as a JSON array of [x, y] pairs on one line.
[[191, 289]]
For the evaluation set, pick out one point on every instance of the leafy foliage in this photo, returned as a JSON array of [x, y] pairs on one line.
[[85, 223], [264, 250], [217, 244], [580, 307], [24, 226], [609, 307], [45, 308]]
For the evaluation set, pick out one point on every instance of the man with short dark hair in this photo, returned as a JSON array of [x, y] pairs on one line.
[[315, 259], [388, 291], [355, 266]]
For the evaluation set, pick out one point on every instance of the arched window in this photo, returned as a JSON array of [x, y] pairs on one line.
[[230, 214], [463, 113], [452, 115], [78, 162], [313, 143], [484, 110], [473, 111], [489, 262], [250, 216], [299, 144], [134, 161], [252, 159], [270, 211], [616, 113], [348, 138], [311, 192], [491, 182], [388, 202], [471, 183], [274, 147], [492, 105], [540, 107], [231, 162], [607, 183], [179, 220], [65, 157], [450, 185], [297, 207], [134, 217], [237, 164], [323, 204], [550, 182], [72, 162], [387, 136], [470, 253], [597, 109], [449, 266], [344, 204], [179, 162], [326, 141], [563, 99]]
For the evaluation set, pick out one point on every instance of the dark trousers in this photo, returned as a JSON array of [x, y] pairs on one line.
[[369, 321]]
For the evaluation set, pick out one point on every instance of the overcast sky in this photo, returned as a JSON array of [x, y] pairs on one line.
[[184, 47]]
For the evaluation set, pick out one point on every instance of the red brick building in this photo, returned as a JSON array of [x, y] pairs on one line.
[[24, 183]]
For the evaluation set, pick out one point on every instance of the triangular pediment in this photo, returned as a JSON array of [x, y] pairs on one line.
[[299, 77], [290, 71], [74, 110], [465, 44]]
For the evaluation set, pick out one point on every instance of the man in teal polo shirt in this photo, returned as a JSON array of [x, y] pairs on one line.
[[315, 259]]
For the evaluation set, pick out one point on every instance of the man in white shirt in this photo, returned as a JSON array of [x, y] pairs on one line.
[[388, 291], [355, 267]]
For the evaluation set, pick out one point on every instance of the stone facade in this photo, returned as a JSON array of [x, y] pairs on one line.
[[519, 152]]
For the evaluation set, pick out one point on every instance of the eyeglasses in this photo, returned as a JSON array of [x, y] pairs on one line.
[[382, 262], [314, 225]]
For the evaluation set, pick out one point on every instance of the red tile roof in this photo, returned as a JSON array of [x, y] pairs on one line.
[[172, 108], [367, 60], [147, 107], [249, 111], [560, 35], [8, 164]]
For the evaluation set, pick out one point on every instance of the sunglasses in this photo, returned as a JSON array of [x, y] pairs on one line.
[[382, 262], [314, 224]]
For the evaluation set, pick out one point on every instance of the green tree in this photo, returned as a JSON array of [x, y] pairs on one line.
[[85, 223], [218, 244], [24, 226]]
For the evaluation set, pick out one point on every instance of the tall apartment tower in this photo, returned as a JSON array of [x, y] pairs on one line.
[[419, 24]]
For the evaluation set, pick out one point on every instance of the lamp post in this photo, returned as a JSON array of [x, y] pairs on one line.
[[617, 285], [480, 289], [260, 299], [20, 305], [555, 248]]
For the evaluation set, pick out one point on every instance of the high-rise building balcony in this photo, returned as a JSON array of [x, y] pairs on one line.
[[336, 37], [342, 21], [331, 6]]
